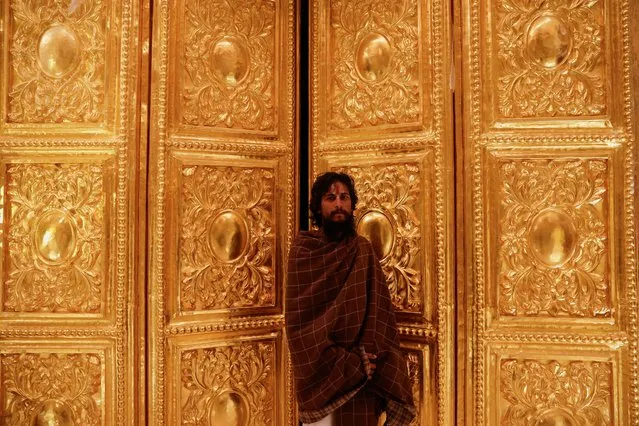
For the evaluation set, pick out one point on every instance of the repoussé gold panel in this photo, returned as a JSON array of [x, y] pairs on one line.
[[230, 57], [555, 45], [553, 238], [228, 385], [56, 238], [375, 71], [227, 238], [57, 60]]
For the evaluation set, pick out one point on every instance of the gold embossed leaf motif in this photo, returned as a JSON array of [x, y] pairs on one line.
[[234, 385], [375, 68], [575, 393], [229, 64], [553, 238], [550, 57], [394, 189], [57, 55], [55, 238], [227, 238], [58, 388]]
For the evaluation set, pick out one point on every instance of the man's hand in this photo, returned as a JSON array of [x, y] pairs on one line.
[[370, 365]]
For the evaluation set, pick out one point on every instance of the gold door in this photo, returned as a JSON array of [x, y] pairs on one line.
[[222, 196], [382, 111], [69, 331], [549, 166]]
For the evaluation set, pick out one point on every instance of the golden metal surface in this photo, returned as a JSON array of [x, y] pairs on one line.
[[373, 57], [56, 232], [379, 230], [58, 51], [59, 63], [69, 293], [548, 41], [53, 388], [552, 237], [228, 236], [226, 239], [230, 60], [54, 237], [54, 413], [548, 179], [222, 194], [380, 89]]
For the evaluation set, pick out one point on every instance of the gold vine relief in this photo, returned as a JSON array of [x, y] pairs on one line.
[[387, 214], [230, 63], [553, 238], [61, 389], [556, 393], [57, 55], [550, 58], [374, 56], [55, 238], [227, 238], [228, 385]]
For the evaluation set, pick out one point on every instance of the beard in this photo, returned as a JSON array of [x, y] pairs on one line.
[[335, 230]]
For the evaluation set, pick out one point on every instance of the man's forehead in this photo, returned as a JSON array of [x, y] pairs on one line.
[[337, 188]]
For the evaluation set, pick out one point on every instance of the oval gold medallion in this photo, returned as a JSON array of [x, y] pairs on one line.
[[53, 413], [58, 51], [556, 417], [228, 236], [54, 237], [230, 409], [378, 229], [548, 41], [373, 57], [230, 60], [553, 237]]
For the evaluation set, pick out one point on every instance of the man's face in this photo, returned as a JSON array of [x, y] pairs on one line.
[[336, 204]]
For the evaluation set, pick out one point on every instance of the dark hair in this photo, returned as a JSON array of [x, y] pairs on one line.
[[321, 186]]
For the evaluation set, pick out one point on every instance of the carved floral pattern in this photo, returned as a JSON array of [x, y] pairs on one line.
[[206, 281], [394, 189], [53, 387], [395, 99], [414, 363], [579, 287], [575, 86], [78, 96], [247, 28], [211, 375], [575, 393], [75, 283]]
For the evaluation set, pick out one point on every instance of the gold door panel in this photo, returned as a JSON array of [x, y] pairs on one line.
[[551, 239], [381, 112], [68, 178], [222, 215]]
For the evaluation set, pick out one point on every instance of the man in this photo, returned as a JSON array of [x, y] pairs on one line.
[[340, 322]]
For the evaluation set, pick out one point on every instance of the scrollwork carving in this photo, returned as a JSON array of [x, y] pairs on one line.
[[57, 55], [415, 376], [395, 190], [233, 383], [550, 58], [227, 238], [553, 238], [52, 388], [55, 238], [575, 393], [229, 62], [375, 63]]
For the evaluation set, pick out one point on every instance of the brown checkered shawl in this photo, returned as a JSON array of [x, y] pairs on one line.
[[338, 302]]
